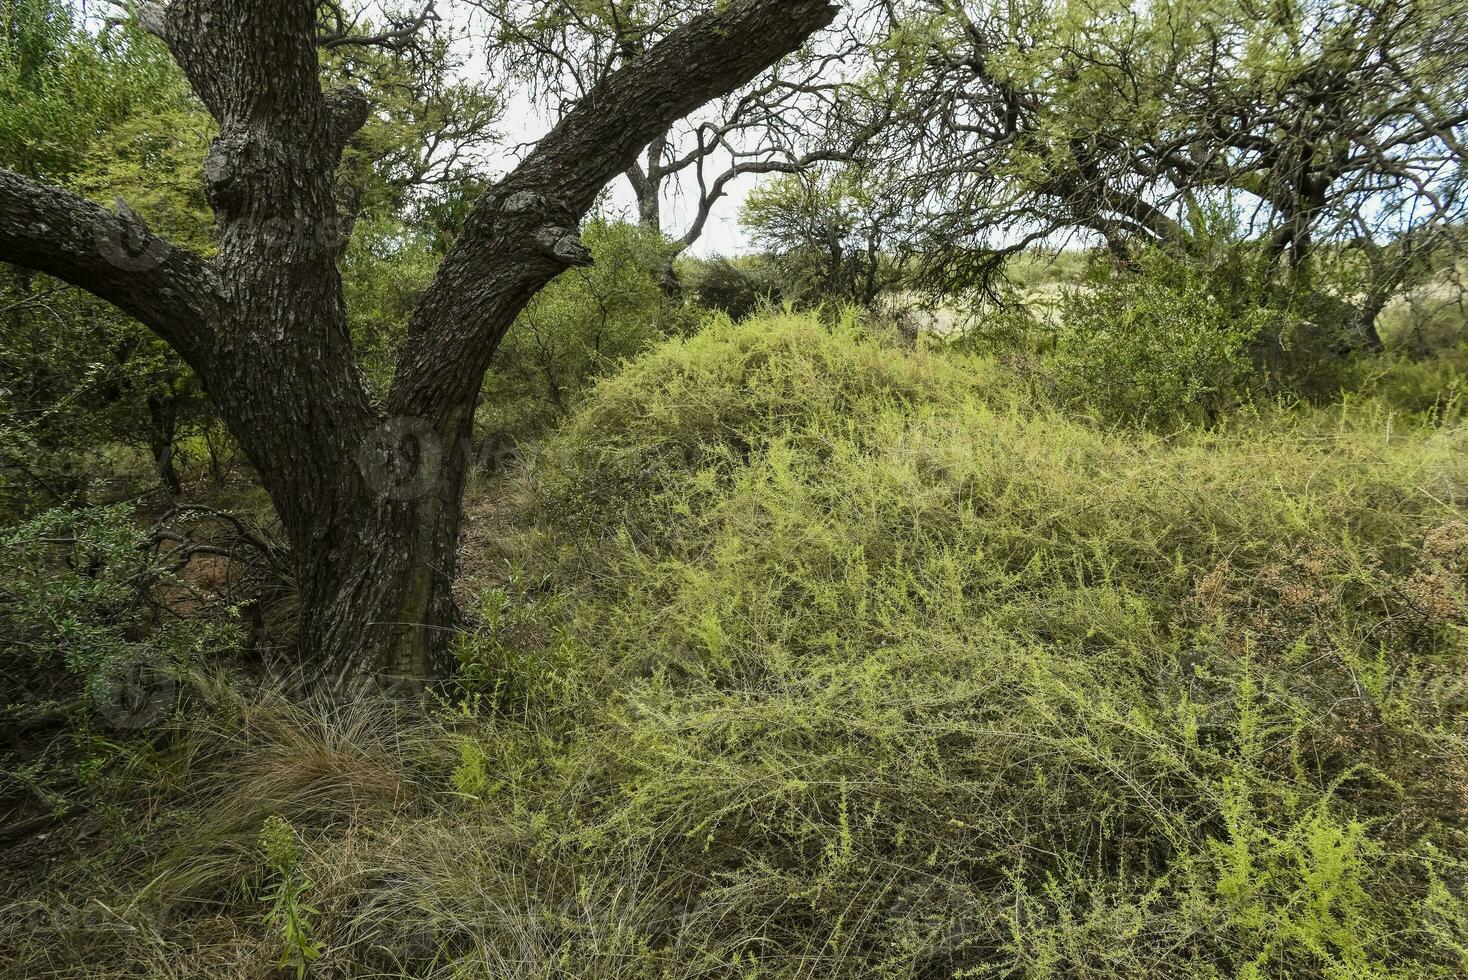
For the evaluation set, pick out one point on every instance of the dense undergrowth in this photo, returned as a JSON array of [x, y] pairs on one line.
[[803, 654]]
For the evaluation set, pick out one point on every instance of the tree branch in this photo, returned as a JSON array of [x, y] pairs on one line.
[[169, 289], [401, 34], [500, 260]]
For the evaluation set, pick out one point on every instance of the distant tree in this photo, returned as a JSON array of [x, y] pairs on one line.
[[1337, 123], [833, 229], [737, 286], [369, 491], [782, 122]]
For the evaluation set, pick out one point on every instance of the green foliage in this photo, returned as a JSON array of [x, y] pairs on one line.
[[63, 88], [107, 115], [610, 465], [830, 231], [736, 287], [81, 590], [884, 675], [289, 915], [431, 126], [1169, 339], [384, 272], [819, 657], [1162, 345], [1035, 118], [815, 656], [585, 322], [71, 593], [514, 660], [1433, 387]]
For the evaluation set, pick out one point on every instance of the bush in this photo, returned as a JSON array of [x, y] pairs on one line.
[[577, 328], [90, 622], [1433, 387], [905, 681], [1171, 339], [736, 287], [890, 675], [1168, 344]]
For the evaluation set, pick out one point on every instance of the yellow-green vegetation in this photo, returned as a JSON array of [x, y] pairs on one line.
[[821, 657]]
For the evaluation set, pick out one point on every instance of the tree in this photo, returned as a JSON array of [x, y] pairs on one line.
[[1332, 122], [780, 123], [107, 113], [833, 229], [369, 492]]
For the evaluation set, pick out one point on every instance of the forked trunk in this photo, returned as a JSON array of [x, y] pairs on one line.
[[369, 492]]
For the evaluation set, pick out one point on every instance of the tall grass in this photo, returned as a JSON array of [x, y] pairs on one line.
[[822, 658]]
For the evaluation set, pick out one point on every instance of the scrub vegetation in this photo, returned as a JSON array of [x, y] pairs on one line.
[[898, 602]]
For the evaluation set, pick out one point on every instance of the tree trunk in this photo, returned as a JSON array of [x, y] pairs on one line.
[[162, 430], [369, 493], [377, 596], [647, 187]]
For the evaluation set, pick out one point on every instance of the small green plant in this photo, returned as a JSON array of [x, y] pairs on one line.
[[71, 591], [514, 657], [289, 916], [1164, 344], [78, 590]]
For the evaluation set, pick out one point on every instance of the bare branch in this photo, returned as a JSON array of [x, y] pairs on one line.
[[401, 34]]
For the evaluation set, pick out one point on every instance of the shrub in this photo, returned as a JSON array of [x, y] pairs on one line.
[[1434, 386], [907, 682], [1171, 343], [77, 595], [888, 676], [736, 287], [703, 404], [585, 322], [891, 675], [1173, 338]]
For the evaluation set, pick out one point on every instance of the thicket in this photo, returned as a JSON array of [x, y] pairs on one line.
[[1122, 635], [1169, 340], [818, 656]]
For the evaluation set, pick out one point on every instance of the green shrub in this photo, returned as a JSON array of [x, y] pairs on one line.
[[907, 682], [825, 658], [1434, 386], [737, 287], [1170, 338], [1161, 346], [86, 625], [700, 406], [577, 328]]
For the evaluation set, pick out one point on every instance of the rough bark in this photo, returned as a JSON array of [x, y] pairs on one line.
[[369, 494]]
